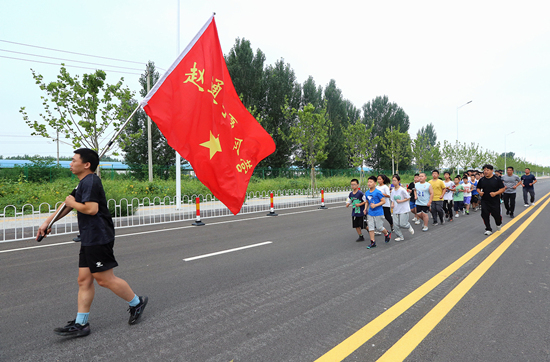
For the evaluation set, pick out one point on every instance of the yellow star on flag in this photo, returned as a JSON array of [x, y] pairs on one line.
[[213, 144]]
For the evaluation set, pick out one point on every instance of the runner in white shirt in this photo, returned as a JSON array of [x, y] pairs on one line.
[[467, 194], [401, 208], [448, 196]]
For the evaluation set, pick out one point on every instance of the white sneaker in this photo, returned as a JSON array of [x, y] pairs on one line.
[[499, 227], [425, 228], [377, 233], [414, 219], [411, 230], [456, 214], [417, 222], [532, 204], [526, 205], [488, 232], [399, 239], [463, 212]]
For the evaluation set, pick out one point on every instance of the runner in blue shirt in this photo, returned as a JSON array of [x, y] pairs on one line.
[[375, 218]]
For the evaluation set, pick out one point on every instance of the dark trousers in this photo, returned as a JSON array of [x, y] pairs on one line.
[[530, 192], [437, 209], [448, 208], [509, 202], [387, 215], [488, 209]]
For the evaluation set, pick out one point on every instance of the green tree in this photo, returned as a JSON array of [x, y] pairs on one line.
[[450, 155], [83, 111], [382, 115], [336, 113], [395, 146], [359, 143], [429, 134], [310, 134], [420, 152], [247, 72], [281, 92]]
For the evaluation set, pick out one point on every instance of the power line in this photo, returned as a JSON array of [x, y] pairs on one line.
[[68, 65], [70, 60], [65, 51]]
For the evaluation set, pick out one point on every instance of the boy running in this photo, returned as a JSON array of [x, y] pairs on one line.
[[458, 195], [96, 259], [438, 188], [467, 193], [448, 196], [357, 201], [475, 195], [375, 218], [410, 190], [424, 196], [490, 188], [401, 207]]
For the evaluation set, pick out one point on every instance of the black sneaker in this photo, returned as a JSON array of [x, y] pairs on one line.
[[76, 239], [435, 224], [512, 215], [507, 212], [387, 238], [361, 238], [372, 245], [73, 329], [137, 311]]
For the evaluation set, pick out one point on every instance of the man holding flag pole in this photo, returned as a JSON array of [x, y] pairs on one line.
[[199, 112]]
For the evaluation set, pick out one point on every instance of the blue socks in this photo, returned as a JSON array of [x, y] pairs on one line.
[[82, 318], [134, 301]]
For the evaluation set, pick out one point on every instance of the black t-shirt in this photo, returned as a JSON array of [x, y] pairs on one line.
[[489, 185], [528, 179], [95, 229], [411, 187]]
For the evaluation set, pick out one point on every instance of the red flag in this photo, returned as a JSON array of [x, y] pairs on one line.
[[197, 109]]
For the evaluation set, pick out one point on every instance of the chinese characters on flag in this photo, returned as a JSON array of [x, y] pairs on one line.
[[197, 109]]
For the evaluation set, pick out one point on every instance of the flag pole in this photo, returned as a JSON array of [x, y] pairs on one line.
[[178, 157], [112, 140]]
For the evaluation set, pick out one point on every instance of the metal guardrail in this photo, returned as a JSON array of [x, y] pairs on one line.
[[24, 223]]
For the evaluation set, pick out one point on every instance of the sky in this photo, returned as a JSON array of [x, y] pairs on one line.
[[429, 57]]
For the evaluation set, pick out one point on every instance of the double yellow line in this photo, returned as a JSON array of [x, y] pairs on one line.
[[400, 350]]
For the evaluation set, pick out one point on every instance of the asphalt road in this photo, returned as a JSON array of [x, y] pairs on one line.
[[296, 298]]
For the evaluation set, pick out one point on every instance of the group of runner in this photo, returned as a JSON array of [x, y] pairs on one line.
[[446, 199]]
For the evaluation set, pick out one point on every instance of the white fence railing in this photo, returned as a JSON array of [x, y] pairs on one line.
[[22, 223]]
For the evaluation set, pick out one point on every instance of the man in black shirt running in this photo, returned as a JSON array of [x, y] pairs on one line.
[[490, 188], [96, 259]]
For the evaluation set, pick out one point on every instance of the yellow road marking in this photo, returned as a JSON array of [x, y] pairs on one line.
[[400, 350], [356, 340]]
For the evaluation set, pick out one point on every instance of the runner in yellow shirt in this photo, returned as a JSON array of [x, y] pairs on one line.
[[438, 187]]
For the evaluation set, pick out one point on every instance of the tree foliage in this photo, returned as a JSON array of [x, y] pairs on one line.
[[83, 111]]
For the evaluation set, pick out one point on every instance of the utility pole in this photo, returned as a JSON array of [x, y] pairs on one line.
[[149, 136]]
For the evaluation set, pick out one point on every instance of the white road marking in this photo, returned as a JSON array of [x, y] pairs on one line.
[[170, 229], [227, 251]]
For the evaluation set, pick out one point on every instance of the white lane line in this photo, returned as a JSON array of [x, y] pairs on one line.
[[170, 229], [227, 251], [36, 247]]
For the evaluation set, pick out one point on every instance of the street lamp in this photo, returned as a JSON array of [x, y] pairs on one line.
[[457, 108], [505, 154]]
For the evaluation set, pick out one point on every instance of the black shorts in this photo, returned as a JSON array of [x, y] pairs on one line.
[[422, 208], [97, 257], [475, 199], [358, 222]]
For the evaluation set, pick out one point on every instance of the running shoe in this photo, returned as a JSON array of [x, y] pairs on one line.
[[377, 233], [387, 238], [499, 227], [417, 222], [361, 238], [488, 232], [512, 215], [411, 230], [507, 212], [399, 239], [372, 245], [414, 219], [456, 214], [435, 224], [526, 205], [137, 311], [73, 329], [532, 204], [425, 228], [467, 212], [77, 239]]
